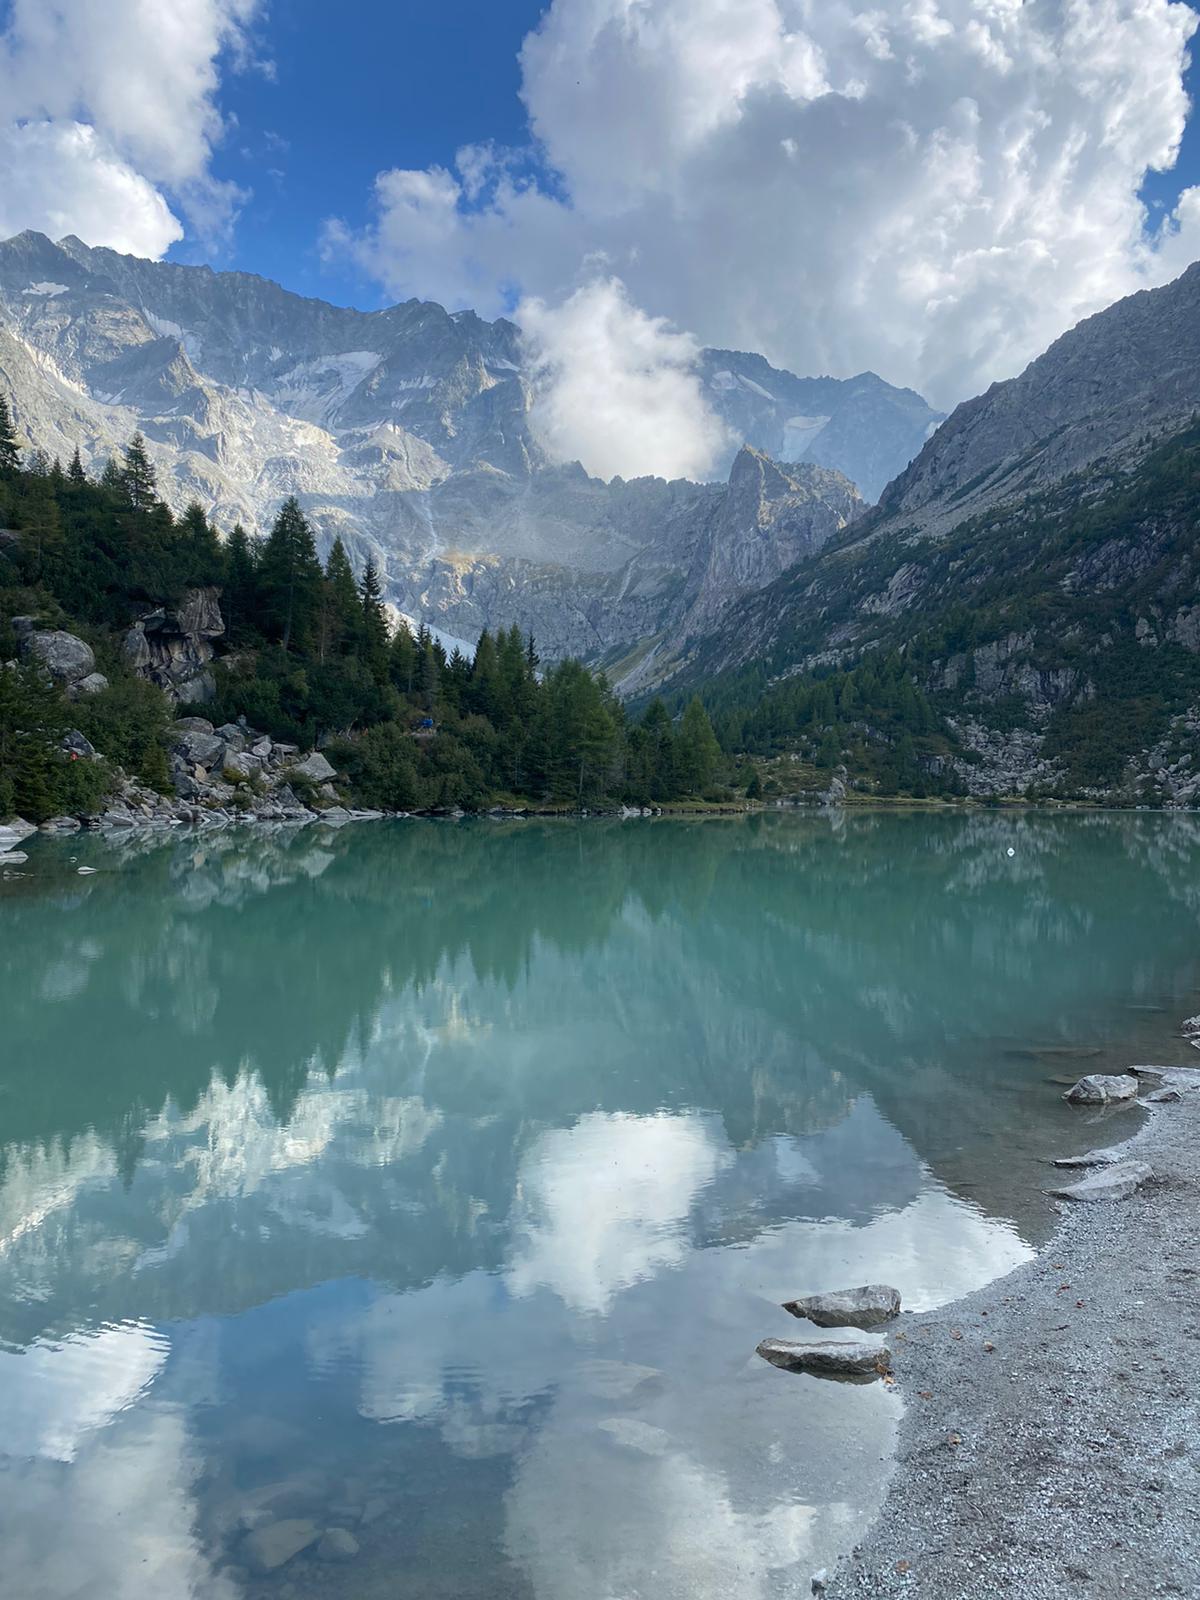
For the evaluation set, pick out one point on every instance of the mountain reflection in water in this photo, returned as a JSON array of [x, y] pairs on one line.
[[436, 1181]]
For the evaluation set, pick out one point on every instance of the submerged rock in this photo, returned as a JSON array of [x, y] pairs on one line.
[[337, 1544], [272, 1545], [833, 1358], [1115, 1182], [866, 1307], [1103, 1088]]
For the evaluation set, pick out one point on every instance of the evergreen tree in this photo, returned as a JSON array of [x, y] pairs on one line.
[[289, 578], [239, 598], [138, 475], [340, 627], [112, 479], [374, 622], [199, 548], [697, 753], [75, 473], [9, 458], [402, 660]]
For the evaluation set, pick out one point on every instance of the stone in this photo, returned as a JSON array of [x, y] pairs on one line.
[[315, 768], [200, 750], [242, 765], [14, 831], [94, 683], [819, 1581], [275, 1543], [848, 1308], [12, 858], [1190, 1026], [1115, 1182], [1162, 1097], [61, 825], [233, 735], [828, 1357], [261, 748], [337, 1544], [1103, 1088], [65, 657], [78, 745], [1092, 1158], [192, 725]]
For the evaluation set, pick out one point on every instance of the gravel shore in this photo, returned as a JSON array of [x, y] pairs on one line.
[[1051, 1444]]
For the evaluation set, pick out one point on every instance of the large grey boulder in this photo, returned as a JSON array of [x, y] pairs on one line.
[[78, 745], [828, 1357], [1103, 1088], [243, 765], [94, 683], [1115, 1182], [848, 1308], [271, 1546], [14, 831], [315, 768], [65, 657], [199, 750]]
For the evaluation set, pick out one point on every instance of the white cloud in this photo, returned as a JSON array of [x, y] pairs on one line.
[[616, 389], [934, 189], [109, 103]]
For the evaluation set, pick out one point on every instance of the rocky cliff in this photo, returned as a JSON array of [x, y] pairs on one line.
[[407, 431]]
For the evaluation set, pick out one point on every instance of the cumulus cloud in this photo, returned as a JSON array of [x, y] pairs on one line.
[[109, 108], [616, 389], [934, 189]]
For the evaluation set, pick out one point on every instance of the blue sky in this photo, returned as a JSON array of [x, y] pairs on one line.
[[357, 88]]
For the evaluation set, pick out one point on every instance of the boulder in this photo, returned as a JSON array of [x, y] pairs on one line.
[[1103, 1088], [315, 768], [92, 684], [243, 765], [13, 858], [828, 1357], [261, 748], [192, 725], [14, 831], [1190, 1026], [61, 825], [848, 1308], [78, 745], [233, 735], [337, 1545], [173, 645], [66, 658], [1163, 1097], [200, 750], [275, 1543], [1114, 1182]]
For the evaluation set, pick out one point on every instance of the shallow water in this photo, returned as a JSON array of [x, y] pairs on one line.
[[436, 1181]]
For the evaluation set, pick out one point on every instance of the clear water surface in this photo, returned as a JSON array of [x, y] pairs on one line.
[[436, 1181]]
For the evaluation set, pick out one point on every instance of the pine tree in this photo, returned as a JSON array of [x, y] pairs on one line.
[[75, 473], [340, 627], [289, 577], [138, 475], [402, 660], [9, 460], [113, 480], [239, 597], [374, 621], [199, 547], [697, 753]]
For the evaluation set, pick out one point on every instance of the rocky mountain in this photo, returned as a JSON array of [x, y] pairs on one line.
[[408, 432], [1036, 569]]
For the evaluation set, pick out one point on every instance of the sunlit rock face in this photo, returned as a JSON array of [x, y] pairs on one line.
[[411, 432]]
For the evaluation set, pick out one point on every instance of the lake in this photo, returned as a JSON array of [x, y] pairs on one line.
[[435, 1181]]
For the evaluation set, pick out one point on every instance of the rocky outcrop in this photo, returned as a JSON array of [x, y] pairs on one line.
[[173, 646]]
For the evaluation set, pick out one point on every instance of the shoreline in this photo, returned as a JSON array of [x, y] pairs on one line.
[[1050, 1446]]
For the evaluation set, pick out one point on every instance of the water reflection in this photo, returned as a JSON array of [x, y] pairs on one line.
[[437, 1182]]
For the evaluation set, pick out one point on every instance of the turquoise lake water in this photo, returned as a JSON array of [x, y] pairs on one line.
[[435, 1181]]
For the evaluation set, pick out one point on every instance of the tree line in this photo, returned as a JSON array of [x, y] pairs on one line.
[[310, 654]]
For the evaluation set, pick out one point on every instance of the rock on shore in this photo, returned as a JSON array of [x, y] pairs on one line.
[[866, 1307], [1101, 1089], [828, 1357], [1113, 1182]]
